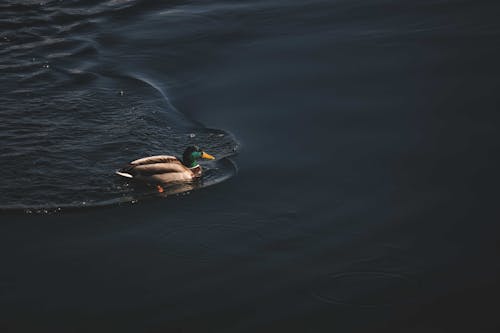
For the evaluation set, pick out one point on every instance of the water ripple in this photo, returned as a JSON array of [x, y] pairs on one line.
[[69, 119]]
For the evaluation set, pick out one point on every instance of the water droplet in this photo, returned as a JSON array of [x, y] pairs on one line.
[[191, 135]]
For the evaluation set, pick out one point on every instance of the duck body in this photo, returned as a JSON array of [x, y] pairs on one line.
[[166, 169], [160, 169]]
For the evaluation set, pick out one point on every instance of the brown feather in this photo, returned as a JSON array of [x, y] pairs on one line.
[[161, 169], [156, 168], [156, 159]]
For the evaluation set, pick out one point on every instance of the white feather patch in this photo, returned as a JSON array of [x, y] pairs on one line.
[[124, 174]]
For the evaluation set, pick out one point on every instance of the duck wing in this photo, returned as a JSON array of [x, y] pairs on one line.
[[157, 168], [152, 165], [155, 159]]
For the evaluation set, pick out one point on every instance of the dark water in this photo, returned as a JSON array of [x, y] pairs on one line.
[[366, 141], [75, 112]]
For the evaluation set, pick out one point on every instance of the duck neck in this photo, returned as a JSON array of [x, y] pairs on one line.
[[190, 163]]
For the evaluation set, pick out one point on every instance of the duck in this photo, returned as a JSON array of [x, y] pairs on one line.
[[165, 169]]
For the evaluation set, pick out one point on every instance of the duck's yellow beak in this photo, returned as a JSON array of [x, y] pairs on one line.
[[207, 156]]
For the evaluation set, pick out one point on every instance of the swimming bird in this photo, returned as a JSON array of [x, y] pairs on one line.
[[165, 169]]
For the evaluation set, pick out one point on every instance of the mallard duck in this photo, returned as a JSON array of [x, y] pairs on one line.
[[165, 169]]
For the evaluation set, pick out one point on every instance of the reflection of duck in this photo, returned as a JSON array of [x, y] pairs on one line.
[[165, 169]]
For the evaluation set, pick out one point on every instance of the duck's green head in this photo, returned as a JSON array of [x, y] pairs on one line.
[[192, 154]]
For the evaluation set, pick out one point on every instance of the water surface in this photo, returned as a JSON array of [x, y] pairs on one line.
[[365, 198]]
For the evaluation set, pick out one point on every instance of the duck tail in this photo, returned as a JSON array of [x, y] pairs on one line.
[[124, 174]]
